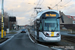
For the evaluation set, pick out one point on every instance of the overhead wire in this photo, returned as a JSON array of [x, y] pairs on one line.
[[35, 6], [56, 4], [41, 2], [64, 4], [67, 3], [38, 3], [32, 7]]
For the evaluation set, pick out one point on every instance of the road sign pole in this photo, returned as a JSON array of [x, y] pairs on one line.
[[8, 25], [2, 22]]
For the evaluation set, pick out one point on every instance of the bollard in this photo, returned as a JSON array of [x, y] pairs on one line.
[[4, 33], [7, 30]]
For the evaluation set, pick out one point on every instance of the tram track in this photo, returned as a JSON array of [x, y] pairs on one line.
[[60, 45], [65, 41], [45, 43], [68, 38], [49, 44]]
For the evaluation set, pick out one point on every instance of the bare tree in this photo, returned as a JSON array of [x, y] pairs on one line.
[[6, 21]]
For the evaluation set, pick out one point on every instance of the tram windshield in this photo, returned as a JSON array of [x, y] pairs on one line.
[[51, 24]]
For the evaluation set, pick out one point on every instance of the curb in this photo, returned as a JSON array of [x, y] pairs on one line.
[[30, 37], [36, 43]]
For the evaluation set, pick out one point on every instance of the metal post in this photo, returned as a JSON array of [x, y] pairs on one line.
[[8, 22], [2, 22], [12, 25], [8, 25], [57, 6]]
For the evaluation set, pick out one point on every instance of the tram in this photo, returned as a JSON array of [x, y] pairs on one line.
[[47, 26]]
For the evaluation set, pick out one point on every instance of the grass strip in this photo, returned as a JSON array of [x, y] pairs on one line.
[[3, 39]]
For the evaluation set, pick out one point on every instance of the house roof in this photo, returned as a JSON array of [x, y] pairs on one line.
[[73, 17]]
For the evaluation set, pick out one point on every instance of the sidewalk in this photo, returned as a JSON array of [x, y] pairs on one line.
[[9, 35]]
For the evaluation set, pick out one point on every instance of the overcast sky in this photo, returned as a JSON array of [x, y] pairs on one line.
[[23, 9]]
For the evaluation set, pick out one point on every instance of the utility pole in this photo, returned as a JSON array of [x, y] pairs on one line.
[[2, 21]]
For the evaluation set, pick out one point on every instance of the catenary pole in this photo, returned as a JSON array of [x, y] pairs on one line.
[[2, 21]]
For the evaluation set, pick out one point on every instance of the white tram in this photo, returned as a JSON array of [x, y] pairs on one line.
[[47, 26]]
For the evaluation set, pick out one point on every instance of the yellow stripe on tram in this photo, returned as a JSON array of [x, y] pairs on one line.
[[52, 33]]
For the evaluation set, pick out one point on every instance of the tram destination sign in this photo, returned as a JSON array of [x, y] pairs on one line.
[[50, 15]]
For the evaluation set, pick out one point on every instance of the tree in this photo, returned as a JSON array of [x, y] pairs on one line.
[[6, 21]]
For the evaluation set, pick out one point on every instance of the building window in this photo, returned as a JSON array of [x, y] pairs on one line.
[[73, 22]]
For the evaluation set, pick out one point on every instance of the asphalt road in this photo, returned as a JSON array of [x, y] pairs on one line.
[[21, 41]]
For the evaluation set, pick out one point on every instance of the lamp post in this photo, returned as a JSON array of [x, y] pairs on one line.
[[2, 22]]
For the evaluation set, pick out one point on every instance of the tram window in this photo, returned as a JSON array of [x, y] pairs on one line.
[[49, 26], [40, 28]]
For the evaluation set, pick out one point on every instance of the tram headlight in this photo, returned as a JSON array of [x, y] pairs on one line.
[[57, 34], [46, 34]]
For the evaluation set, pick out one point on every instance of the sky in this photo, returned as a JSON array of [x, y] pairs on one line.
[[24, 9]]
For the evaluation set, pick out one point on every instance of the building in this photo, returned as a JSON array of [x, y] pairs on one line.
[[69, 21]]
